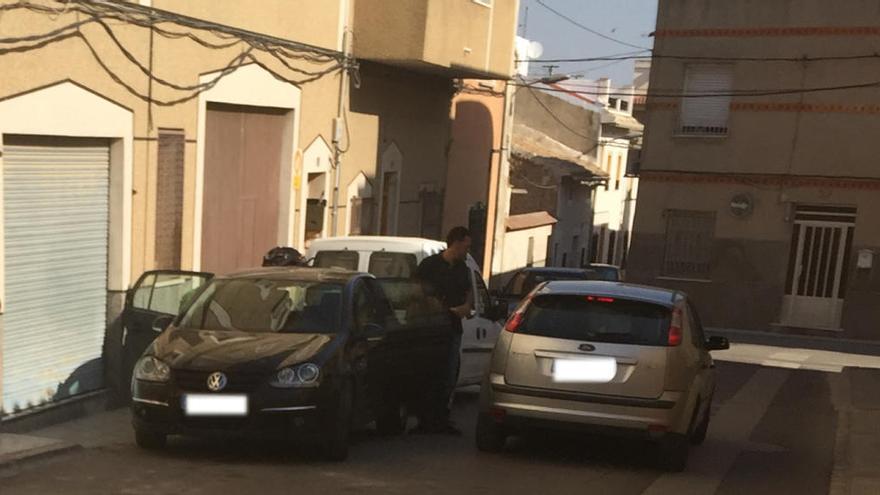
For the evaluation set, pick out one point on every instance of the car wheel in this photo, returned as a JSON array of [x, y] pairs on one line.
[[702, 429], [393, 419], [150, 440], [337, 427], [490, 435], [673, 452]]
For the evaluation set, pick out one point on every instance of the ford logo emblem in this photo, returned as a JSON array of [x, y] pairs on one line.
[[587, 347]]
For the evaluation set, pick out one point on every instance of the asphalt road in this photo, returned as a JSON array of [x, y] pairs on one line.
[[772, 432]]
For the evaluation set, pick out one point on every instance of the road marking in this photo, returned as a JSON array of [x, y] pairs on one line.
[[790, 358], [729, 435]]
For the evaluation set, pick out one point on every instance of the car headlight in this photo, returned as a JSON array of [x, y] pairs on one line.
[[151, 369], [304, 375]]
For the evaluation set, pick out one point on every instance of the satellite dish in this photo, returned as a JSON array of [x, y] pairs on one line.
[[535, 50]]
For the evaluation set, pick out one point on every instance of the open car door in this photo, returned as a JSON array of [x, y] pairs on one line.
[[157, 294]]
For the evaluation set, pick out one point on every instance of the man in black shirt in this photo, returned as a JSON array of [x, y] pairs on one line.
[[446, 278]]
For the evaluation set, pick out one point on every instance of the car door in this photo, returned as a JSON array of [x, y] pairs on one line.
[[471, 338], [156, 293], [374, 367], [706, 363]]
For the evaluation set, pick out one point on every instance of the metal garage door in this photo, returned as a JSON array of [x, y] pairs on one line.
[[56, 201]]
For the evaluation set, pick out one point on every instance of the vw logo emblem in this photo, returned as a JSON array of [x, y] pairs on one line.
[[216, 381], [587, 347]]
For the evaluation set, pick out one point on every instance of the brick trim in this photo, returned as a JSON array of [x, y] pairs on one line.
[[760, 180], [756, 32]]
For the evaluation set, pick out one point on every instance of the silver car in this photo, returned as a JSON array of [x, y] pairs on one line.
[[605, 357]]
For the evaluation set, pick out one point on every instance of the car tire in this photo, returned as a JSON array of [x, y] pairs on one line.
[[702, 428], [673, 452], [490, 435], [150, 440], [334, 441], [392, 419]]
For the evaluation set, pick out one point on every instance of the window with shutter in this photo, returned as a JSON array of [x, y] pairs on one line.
[[689, 237], [706, 115]]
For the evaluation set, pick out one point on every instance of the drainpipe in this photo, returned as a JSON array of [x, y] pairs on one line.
[[502, 188], [338, 128]]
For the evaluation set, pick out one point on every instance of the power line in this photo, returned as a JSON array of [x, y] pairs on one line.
[[705, 58], [97, 10], [586, 28], [556, 117], [740, 93]]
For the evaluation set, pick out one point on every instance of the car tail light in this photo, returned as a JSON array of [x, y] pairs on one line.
[[516, 319], [600, 299], [514, 322], [675, 334]]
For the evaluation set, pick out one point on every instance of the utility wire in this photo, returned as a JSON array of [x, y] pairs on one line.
[[739, 93], [705, 58], [586, 28], [554, 116]]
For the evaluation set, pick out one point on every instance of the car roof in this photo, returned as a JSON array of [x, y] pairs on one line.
[[554, 269], [304, 274], [373, 243], [655, 295], [603, 265]]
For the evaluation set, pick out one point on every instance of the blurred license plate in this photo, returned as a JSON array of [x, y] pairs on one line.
[[587, 370], [215, 405]]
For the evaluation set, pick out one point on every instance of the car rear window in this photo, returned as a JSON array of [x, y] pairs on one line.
[[596, 319], [384, 264], [347, 260], [607, 273]]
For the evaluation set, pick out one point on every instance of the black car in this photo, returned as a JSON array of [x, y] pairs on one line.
[[314, 352], [528, 278]]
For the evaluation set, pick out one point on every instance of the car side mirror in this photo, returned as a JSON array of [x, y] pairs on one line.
[[162, 322], [499, 310], [373, 331], [717, 343]]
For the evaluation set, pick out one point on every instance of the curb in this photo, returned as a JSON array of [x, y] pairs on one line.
[[850, 346], [17, 459]]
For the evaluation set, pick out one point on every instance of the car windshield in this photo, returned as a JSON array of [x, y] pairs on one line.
[[347, 260], [596, 319], [262, 305], [608, 273]]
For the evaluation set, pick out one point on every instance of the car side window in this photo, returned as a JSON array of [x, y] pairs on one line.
[[699, 338], [483, 299], [166, 293], [368, 306], [517, 285]]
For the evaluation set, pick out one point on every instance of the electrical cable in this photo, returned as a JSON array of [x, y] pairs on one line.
[[732, 94], [706, 58], [588, 29]]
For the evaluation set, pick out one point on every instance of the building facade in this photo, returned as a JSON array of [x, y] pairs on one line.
[[197, 135], [759, 197]]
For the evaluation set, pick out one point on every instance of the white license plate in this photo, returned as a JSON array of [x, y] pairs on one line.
[[592, 370], [215, 405]]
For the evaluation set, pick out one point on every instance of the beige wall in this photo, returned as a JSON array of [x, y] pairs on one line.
[[477, 119], [783, 150], [458, 37], [826, 139], [181, 61], [412, 110]]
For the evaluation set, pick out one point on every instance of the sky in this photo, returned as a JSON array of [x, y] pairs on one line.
[[630, 21]]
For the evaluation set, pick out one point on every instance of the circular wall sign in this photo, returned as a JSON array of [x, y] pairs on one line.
[[741, 205]]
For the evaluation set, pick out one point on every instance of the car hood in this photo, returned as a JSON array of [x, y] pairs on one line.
[[224, 350]]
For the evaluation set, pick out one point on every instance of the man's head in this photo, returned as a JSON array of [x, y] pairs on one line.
[[458, 243]]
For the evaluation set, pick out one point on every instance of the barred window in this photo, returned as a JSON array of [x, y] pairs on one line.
[[689, 236]]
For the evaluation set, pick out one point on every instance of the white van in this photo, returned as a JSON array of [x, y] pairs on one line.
[[399, 257]]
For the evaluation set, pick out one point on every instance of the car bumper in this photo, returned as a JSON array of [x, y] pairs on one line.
[[528, 407], [159, 408]]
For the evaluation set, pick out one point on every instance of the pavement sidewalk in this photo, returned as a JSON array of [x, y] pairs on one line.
[[95, 430]]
